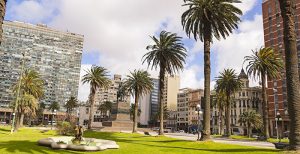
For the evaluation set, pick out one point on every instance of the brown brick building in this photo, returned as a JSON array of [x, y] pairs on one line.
[[273, 36]]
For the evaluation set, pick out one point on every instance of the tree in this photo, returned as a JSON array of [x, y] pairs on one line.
[[168, 54], [206, 19], [219, 102], [292, 75], [54, 106], [31, 88], [251, 119], [40, 111], [2, 12], [263, 64], [138, 83], [166, 113], [71, 104], [97, 78], [228, 83]]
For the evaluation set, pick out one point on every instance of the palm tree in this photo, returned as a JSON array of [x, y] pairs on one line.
[[71, 104], [54, 106], [292, 75], [138, 83], [97, 78], [228, 83], [219, 103], [263, 64], [168, 54], [166, 113], [2, 13], [31, 84], [251, 119], [206, 19], [26, 104]]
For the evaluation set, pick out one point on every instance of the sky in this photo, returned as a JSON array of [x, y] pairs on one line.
[[116, 33]]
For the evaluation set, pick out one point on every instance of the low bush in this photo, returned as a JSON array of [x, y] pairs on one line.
[[65, 128]]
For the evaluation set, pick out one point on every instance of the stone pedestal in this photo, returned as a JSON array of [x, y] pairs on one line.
[[120, 116]]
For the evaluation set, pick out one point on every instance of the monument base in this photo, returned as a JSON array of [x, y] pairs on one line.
[[117, 124]]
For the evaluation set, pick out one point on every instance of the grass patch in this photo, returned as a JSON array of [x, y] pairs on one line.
[[25, 141]]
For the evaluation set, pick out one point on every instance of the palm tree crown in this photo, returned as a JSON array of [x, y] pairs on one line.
[[71, 104], [228, 82], [251, 119], [54, 106], [167, 53], [264, 62], [215, 18]]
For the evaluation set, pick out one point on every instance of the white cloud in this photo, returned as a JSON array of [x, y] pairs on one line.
[[84, 89]]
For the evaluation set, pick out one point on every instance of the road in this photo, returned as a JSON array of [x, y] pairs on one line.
[[192, 137]]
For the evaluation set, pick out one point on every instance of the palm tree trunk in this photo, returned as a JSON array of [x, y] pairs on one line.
[[265, 107], [161, 98], [21, 119], [228, 107], [2, 11], [206, 115], [292, 74], [135, 114], [92, 102], [221, 122]]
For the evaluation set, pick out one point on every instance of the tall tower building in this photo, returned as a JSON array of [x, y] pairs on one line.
[[54, 54], [273, 35], [172, 85]]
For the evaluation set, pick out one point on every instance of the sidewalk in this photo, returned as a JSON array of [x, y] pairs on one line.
[[192, 137]]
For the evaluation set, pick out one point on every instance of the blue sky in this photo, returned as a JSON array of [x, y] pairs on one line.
[[116, 36]]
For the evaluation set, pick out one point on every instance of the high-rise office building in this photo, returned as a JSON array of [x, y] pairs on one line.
[[149, 104], [273, 35], [54, 54], [172, 85]]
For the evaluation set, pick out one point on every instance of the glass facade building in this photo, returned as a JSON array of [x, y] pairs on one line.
[[54, 54]]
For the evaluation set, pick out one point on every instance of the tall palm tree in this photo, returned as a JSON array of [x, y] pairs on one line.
[[31, 84], [228, 83], [2, 14], [292, 75], [138, 83], [168, 54], [206, 19], [71, 104], [263, 64], [219, 103], [251, 119], [54, 106], [97, 78]]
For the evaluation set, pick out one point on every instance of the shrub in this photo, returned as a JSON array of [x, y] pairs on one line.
[[65, 128]]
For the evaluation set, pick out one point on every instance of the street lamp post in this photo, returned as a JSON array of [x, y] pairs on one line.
[[198, 110], [52, 118], [278, 118], [13, 124]]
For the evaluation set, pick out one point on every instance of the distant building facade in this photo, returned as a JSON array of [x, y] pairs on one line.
[[54, 54], [246, 99], [172, 85]]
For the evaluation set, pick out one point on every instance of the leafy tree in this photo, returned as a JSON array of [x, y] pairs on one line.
[[71, 104], [228, 83], [288, 9], [205, 19], [251, 119], [54, 106], [97, 78], [262, 64], [138, 83], [168, 54]]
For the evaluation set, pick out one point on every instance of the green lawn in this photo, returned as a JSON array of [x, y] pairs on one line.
[[25, 141], [246, 138]]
